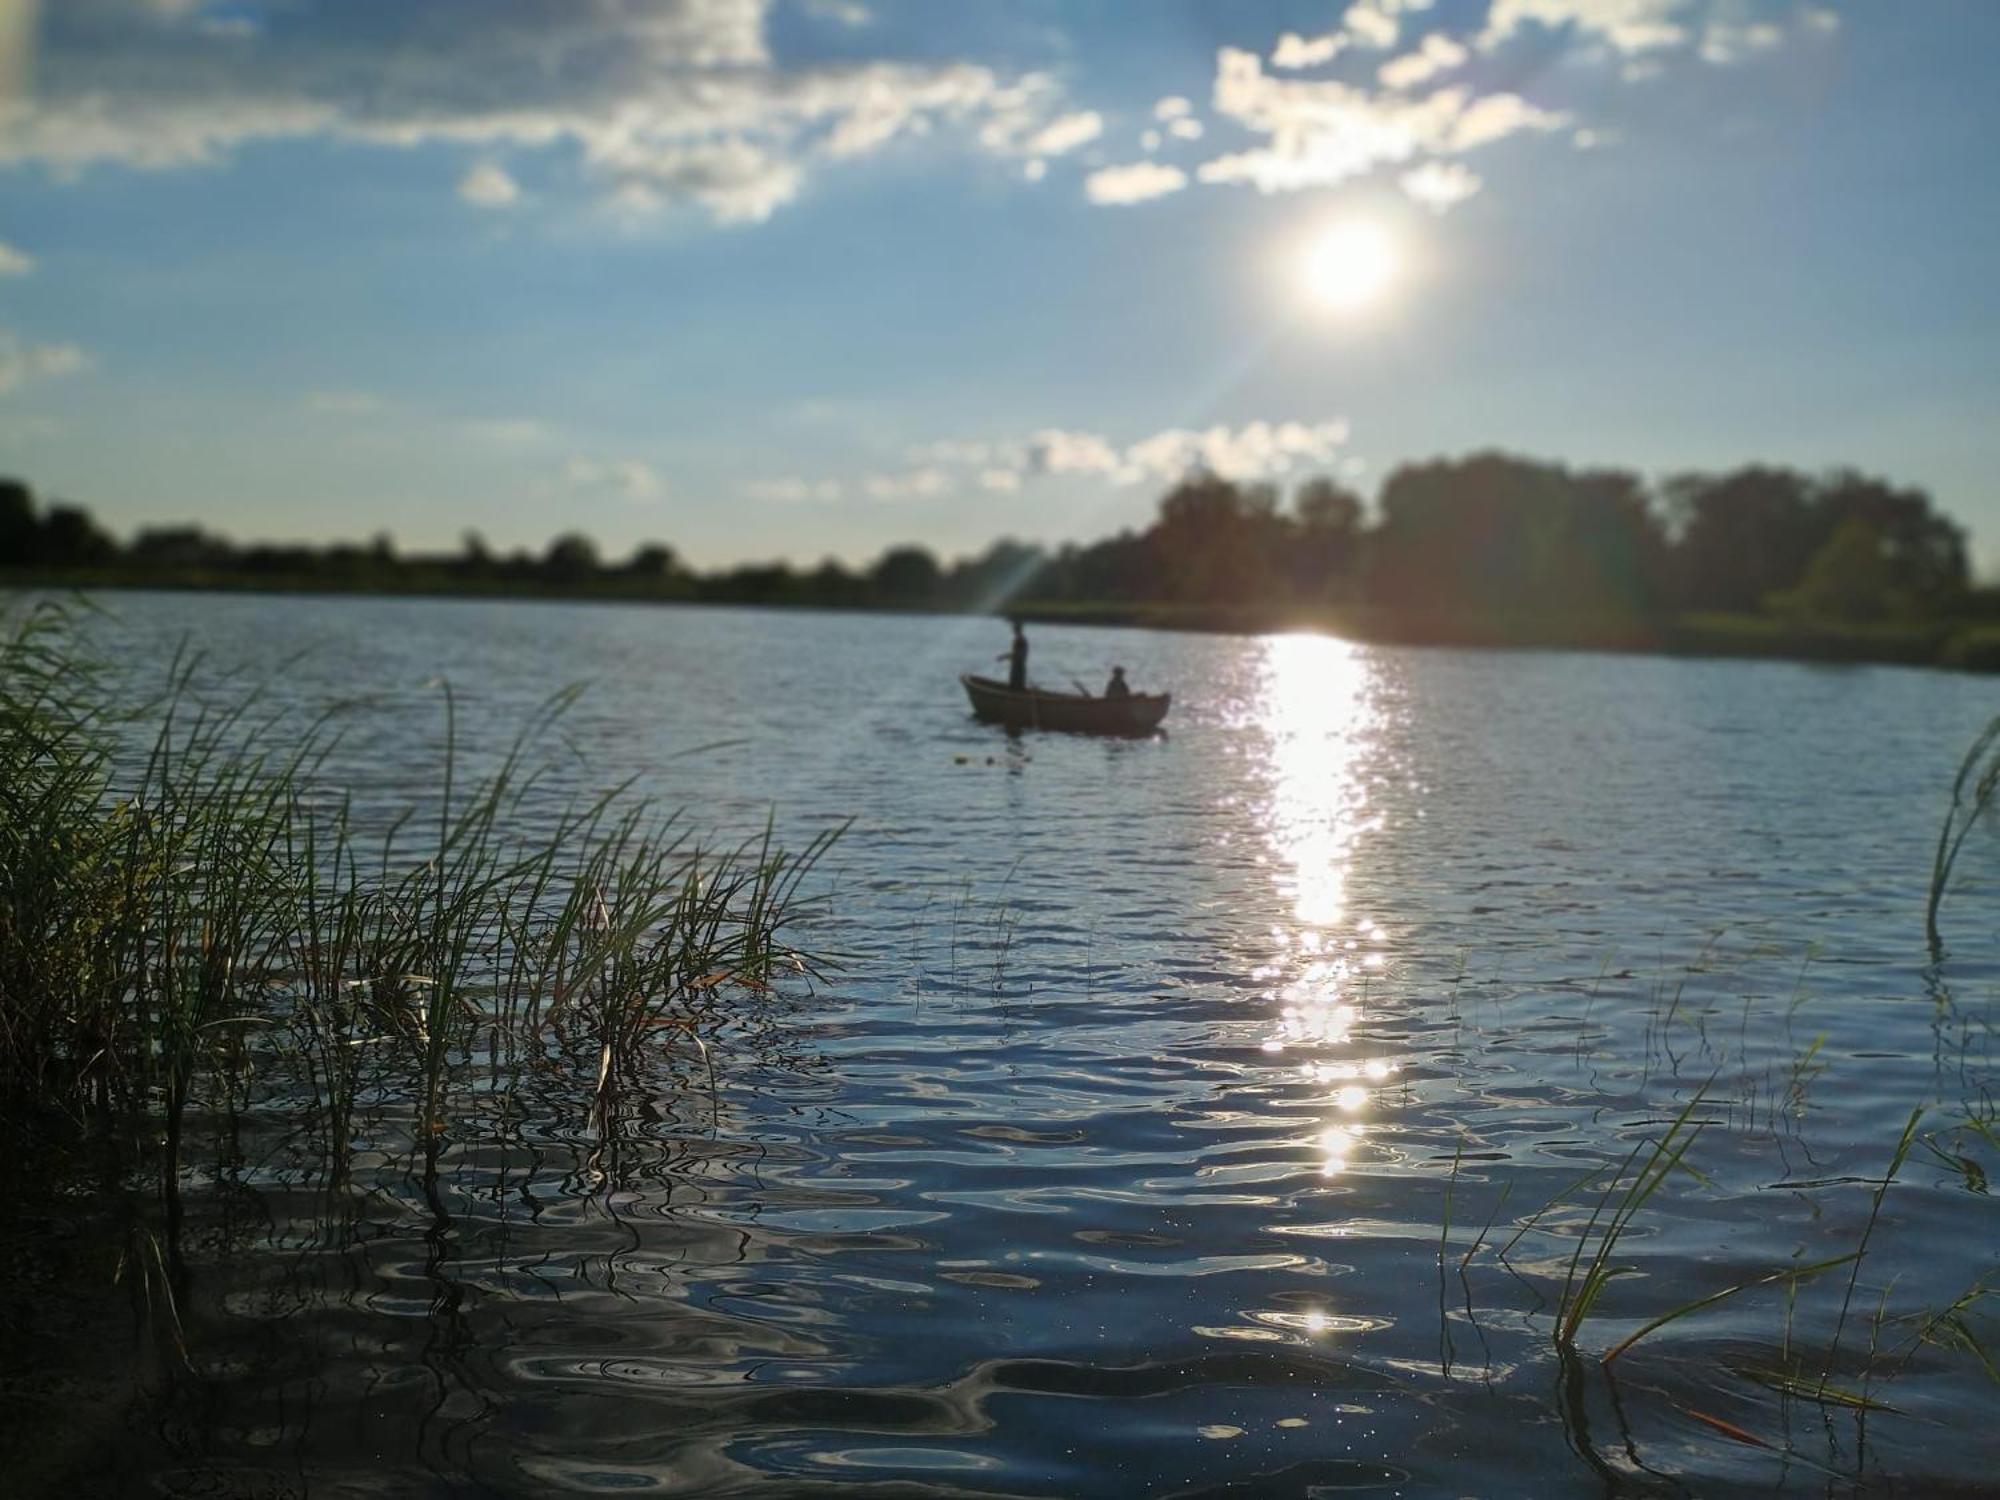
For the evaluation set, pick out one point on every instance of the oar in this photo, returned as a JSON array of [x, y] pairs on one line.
[[1081, 688]]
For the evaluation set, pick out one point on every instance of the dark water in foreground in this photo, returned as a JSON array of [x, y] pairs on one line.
[[1118, 1158]]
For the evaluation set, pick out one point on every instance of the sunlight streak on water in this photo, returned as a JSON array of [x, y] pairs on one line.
[[1319, 711]]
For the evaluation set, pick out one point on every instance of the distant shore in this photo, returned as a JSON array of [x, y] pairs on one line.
[[1946, 643]]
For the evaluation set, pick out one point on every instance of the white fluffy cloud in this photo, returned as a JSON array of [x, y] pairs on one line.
[[1628, 25], [660, 101], [21, 363], [1440, 185], [487, 185], [1719, 31], [1294, 51], [1438, 54], [628, 478], [1134, 183], [1371, 24], [1322, 133], [13, 261], [1066, 133], [1255, 450]]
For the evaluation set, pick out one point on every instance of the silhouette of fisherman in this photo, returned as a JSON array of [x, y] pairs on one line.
[[1016, 657], [1117, 687]]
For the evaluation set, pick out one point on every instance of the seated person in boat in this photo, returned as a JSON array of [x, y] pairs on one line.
[[1016, 657], [1117, 687]]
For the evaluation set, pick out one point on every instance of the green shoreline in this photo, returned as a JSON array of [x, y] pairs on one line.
[[1945, 643]]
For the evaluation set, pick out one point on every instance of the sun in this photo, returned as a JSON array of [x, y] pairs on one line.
[[1351, 265]]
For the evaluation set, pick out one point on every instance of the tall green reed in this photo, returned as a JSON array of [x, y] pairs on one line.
[[174, 922]]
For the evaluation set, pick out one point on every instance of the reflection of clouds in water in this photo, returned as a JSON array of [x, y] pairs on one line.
[[1320, 714]]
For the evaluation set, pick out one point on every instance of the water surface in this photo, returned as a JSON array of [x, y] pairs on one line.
[[1118, 1155]]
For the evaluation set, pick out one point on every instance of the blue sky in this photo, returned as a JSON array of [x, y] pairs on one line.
[[794, 277]]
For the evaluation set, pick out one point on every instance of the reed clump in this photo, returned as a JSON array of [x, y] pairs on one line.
[[190, 914]]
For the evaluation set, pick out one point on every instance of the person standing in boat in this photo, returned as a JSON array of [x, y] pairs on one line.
[[1117, 687], [1016, 657]]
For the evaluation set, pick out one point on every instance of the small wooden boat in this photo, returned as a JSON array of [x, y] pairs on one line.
[[1075, 713]]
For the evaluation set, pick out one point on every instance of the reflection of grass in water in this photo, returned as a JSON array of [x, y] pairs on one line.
[[221, 923]]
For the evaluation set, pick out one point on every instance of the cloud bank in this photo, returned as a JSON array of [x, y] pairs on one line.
[[657, 102]]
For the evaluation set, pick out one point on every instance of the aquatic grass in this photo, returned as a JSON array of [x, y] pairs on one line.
[[177, 923], [1791, 1277], [1580, 1294], [1896, 1160], [1972, 796]]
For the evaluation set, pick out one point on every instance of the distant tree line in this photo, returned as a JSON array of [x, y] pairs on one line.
[[1490, 534]]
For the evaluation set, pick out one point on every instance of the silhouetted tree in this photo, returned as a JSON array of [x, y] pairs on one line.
[[1497, 533], [906, 575], [1321, 560], [654, 560], [71, 539], [1218, 542], [1924, 553], [832, 583], [180, 547], [20, 530], [474, 556], [571, 558], [1851, 578], [1740, 536]]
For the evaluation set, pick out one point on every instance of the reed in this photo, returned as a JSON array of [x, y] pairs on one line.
[[1972, 795], [187, 909]]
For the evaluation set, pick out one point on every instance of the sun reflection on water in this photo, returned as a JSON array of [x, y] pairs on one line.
[[1319, 709]]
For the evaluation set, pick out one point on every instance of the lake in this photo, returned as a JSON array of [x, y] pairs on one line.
[[1217, 1114]]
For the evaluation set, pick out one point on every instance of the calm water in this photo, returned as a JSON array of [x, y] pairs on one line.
[[1116, 1159]]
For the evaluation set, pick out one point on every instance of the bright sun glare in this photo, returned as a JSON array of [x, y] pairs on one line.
[[1350, 265]]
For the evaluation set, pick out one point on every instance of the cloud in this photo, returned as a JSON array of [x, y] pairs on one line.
[[793, 491], [344, 403], [13, 261], [1438, 54], [488, 186], [918, 484], [1322, 133], [1173, 107], [1255, 450], [1066, 133], [1440, 185], [1133, 184], [1294, 51], [1372, 23], [628, 478], [1629, 26], [21, 363], [1720, 33], [659, 103], [1054, 451]]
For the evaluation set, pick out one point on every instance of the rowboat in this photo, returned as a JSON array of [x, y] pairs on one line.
[[1076, 713]]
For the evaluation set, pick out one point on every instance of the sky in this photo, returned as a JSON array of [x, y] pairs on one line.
[[794, 278]]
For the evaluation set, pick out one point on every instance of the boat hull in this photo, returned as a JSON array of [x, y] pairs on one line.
[[1071, 713]]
